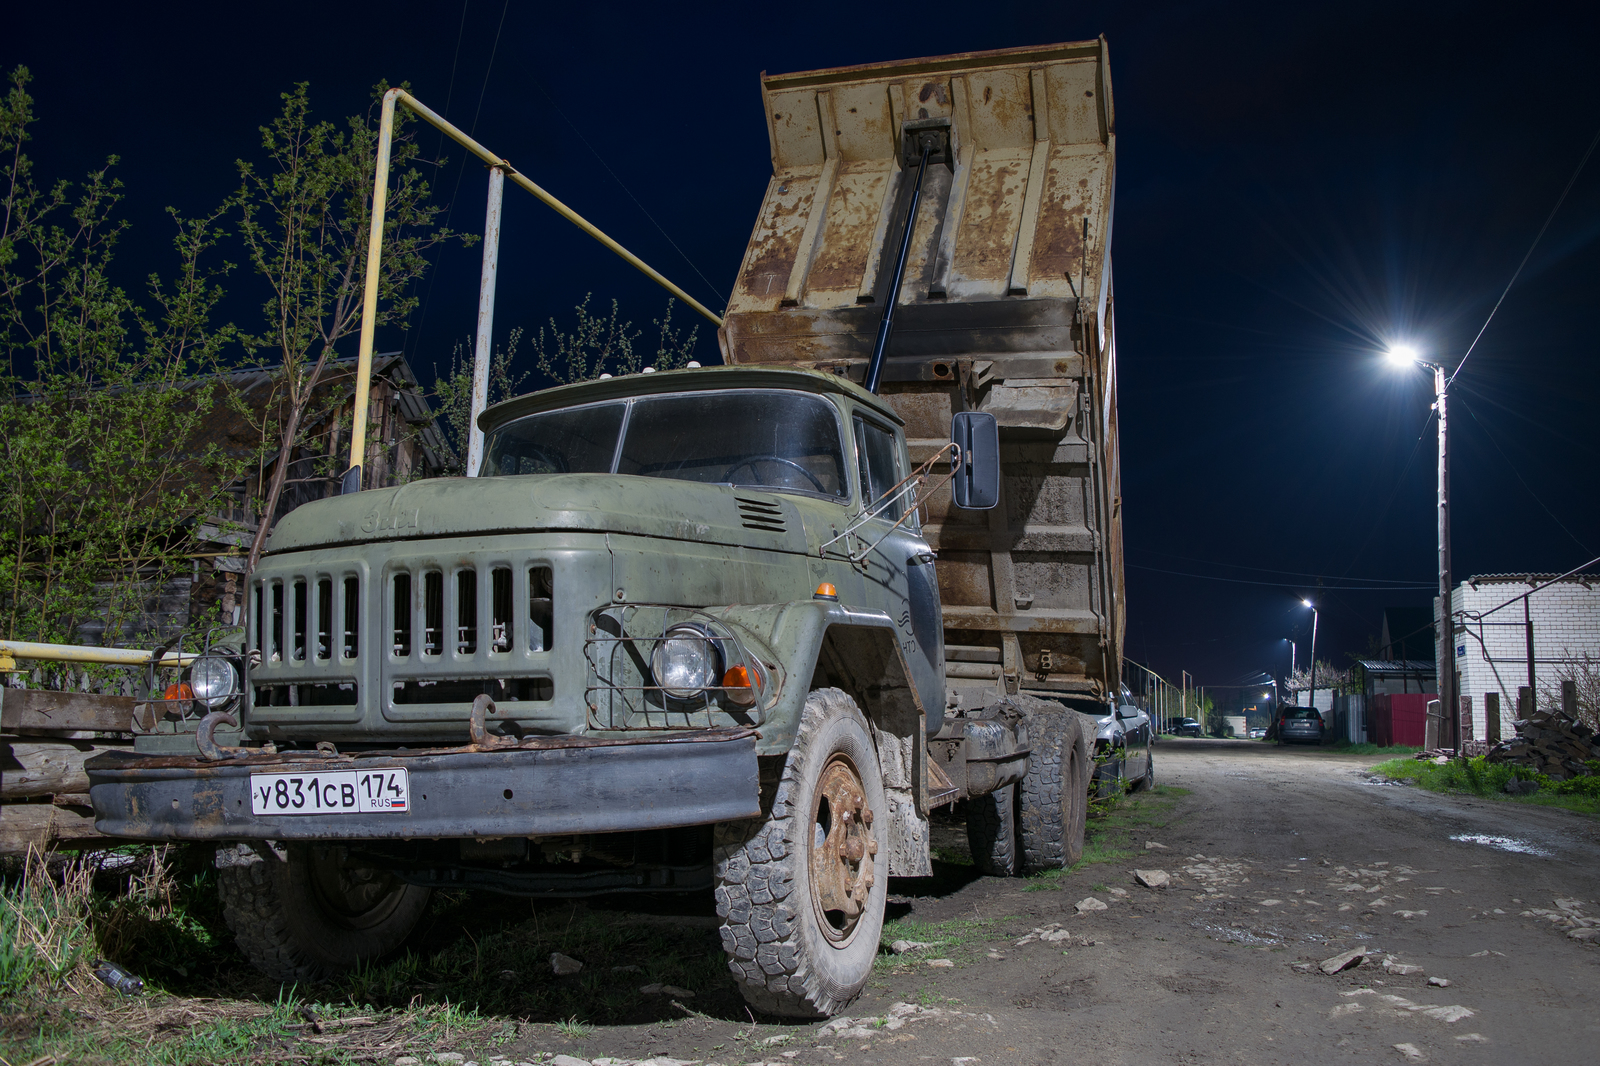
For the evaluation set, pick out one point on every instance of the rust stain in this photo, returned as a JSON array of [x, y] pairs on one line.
[[777, 239], [846, 240], [1058, 242], [937, 91], [964, 579], [988, 230]]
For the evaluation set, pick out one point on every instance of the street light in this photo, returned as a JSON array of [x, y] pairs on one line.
[[1313, 682], [1402, 355]]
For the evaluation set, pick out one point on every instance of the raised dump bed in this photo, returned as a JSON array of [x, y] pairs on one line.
[[1006, 308]]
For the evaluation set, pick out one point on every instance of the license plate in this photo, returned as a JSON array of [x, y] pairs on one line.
[[381, 791]]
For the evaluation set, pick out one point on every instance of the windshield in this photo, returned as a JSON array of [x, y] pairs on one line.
[[767, 439], [1301, 712], [581, 440]]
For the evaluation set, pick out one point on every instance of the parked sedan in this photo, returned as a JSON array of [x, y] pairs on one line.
[[1300, 724], [1257, 734]]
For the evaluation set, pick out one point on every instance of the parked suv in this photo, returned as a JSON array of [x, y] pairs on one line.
[[1300, 724]]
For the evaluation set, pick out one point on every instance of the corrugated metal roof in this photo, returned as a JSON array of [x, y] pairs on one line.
[[1585, 578], [1396, 667]]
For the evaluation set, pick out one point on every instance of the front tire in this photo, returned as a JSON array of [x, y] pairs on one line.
[[801, 894], [313, 913]]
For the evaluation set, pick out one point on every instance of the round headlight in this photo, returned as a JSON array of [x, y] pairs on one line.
[[214, 681], [686, 662]]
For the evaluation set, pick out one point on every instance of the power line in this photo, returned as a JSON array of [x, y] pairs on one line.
[[716, 294], [1548, 219], [455, 61], [1486, 432], [1282, 584], [1287, 573]]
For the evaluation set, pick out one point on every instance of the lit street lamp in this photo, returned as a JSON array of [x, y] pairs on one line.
[[1313, 607], [1401, 355]]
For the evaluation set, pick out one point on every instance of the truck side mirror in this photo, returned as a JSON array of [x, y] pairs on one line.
[[977, 483]]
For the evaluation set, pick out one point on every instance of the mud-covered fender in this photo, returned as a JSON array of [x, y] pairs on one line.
[[796, 633], [863, 651]]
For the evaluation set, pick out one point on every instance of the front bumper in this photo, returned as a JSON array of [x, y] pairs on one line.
[[555, 786]]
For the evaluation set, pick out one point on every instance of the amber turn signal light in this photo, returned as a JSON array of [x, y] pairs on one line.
[[740, 685], [826, 591]]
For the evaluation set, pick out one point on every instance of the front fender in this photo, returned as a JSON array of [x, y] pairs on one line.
[[796, 633]]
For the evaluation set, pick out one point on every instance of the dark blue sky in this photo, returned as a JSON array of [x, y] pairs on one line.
[[1296, 185]]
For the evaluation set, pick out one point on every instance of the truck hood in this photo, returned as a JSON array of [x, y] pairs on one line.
[[596, 503]]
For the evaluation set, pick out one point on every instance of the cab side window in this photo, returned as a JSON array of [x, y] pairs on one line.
[[878, 465]]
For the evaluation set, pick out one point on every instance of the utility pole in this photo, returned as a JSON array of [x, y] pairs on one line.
[[1446, 637], [484, 348]]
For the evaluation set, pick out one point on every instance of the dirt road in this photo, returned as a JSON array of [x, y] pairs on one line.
[[1278, 857]]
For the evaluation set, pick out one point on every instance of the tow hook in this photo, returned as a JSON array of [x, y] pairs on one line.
[[483, 706], [203, 739]]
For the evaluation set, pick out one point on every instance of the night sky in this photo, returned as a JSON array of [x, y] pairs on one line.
[[1297, 186]]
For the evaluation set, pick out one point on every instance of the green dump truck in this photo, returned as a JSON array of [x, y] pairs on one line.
[[737, 629]]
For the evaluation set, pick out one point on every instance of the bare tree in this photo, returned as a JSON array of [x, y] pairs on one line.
[[304, 216], [601, 344], [1584, 673]]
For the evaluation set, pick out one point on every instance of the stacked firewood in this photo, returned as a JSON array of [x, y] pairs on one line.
[[1553, 743]]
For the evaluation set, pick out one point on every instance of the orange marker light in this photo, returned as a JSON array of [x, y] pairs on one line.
[[739, 684], [826, 591], [178, 692]]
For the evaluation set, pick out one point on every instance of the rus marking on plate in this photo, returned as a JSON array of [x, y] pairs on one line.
[[378, 791]]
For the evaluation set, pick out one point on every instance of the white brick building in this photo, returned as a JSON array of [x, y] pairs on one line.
[[1491, 647]]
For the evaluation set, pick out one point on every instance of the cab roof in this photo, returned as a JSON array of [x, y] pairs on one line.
[[699, 379]]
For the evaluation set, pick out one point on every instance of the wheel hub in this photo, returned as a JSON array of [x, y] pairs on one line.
[[843, 848], [354, 895]]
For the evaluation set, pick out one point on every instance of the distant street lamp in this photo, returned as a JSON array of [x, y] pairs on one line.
[[1402, 355], [1313, 682]]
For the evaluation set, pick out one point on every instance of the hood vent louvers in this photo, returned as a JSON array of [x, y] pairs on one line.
[[759, 514]]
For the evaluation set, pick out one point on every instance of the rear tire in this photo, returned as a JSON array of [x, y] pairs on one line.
[[801, 894], [992, 832], [312, 913], [1110, 778], [1054, 797], [1148, 781]]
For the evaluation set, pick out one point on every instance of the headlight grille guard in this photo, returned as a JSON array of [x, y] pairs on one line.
[[622, 695], [188, 711]]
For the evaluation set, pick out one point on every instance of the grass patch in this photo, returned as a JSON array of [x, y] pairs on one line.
[[154, 912], [1479, 777], [958, 939], [478, 972]]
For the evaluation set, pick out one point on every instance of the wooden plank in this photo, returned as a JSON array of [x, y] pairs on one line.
[[37, 711], [43, 826], [37, 768]]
